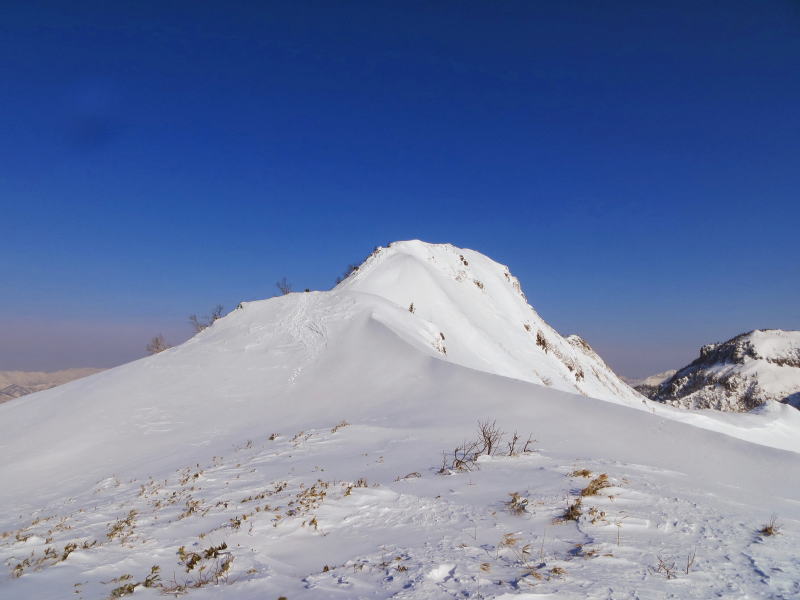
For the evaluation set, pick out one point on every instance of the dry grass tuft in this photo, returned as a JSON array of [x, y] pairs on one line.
[[517, 505], [573, 512], [123, 528], [595, 485], [339, 426], [581, 473]]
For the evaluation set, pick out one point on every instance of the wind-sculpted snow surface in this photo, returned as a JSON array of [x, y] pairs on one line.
[[739, 375], [302, 447], [476, 315]]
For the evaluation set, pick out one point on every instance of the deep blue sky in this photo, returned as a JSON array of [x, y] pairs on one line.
[[637, 164]]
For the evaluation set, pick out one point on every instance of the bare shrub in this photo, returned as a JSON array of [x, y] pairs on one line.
[[526, 448], [347, 272], [490, 436], [512, 444], [770, 528], [665, 567], [463, 457], [690, 561], [284, 287], [490, 440], [199, 324], [215, 314], [352, 268], [157, 344]]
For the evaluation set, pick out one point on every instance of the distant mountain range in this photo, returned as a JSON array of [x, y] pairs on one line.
[[647, 386], [14, 384]]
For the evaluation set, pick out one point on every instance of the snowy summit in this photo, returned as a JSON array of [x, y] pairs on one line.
[[418, 431], [472, 310]]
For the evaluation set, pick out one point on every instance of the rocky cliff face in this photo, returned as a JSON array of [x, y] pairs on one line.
[[740, 374]]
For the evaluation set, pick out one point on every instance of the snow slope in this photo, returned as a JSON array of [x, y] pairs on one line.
[[739, 375], [306, 433], [477, 316]]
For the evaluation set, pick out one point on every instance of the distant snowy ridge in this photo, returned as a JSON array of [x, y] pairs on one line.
[[647, 386], [740, 374]]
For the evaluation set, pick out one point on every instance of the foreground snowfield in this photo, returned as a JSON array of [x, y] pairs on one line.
[[306, 434]]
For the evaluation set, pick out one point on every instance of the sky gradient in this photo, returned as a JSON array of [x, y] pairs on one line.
[[637, 165]]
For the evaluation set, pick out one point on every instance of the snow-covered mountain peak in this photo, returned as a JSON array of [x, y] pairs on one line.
[[402, 262], [479, 317], [324, 444], [740, 374]]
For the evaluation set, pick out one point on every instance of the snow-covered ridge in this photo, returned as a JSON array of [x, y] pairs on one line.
[[295, 448], [477, 315], [740, 374]]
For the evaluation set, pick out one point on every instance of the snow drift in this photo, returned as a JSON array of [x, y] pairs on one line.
[[473, 312]]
